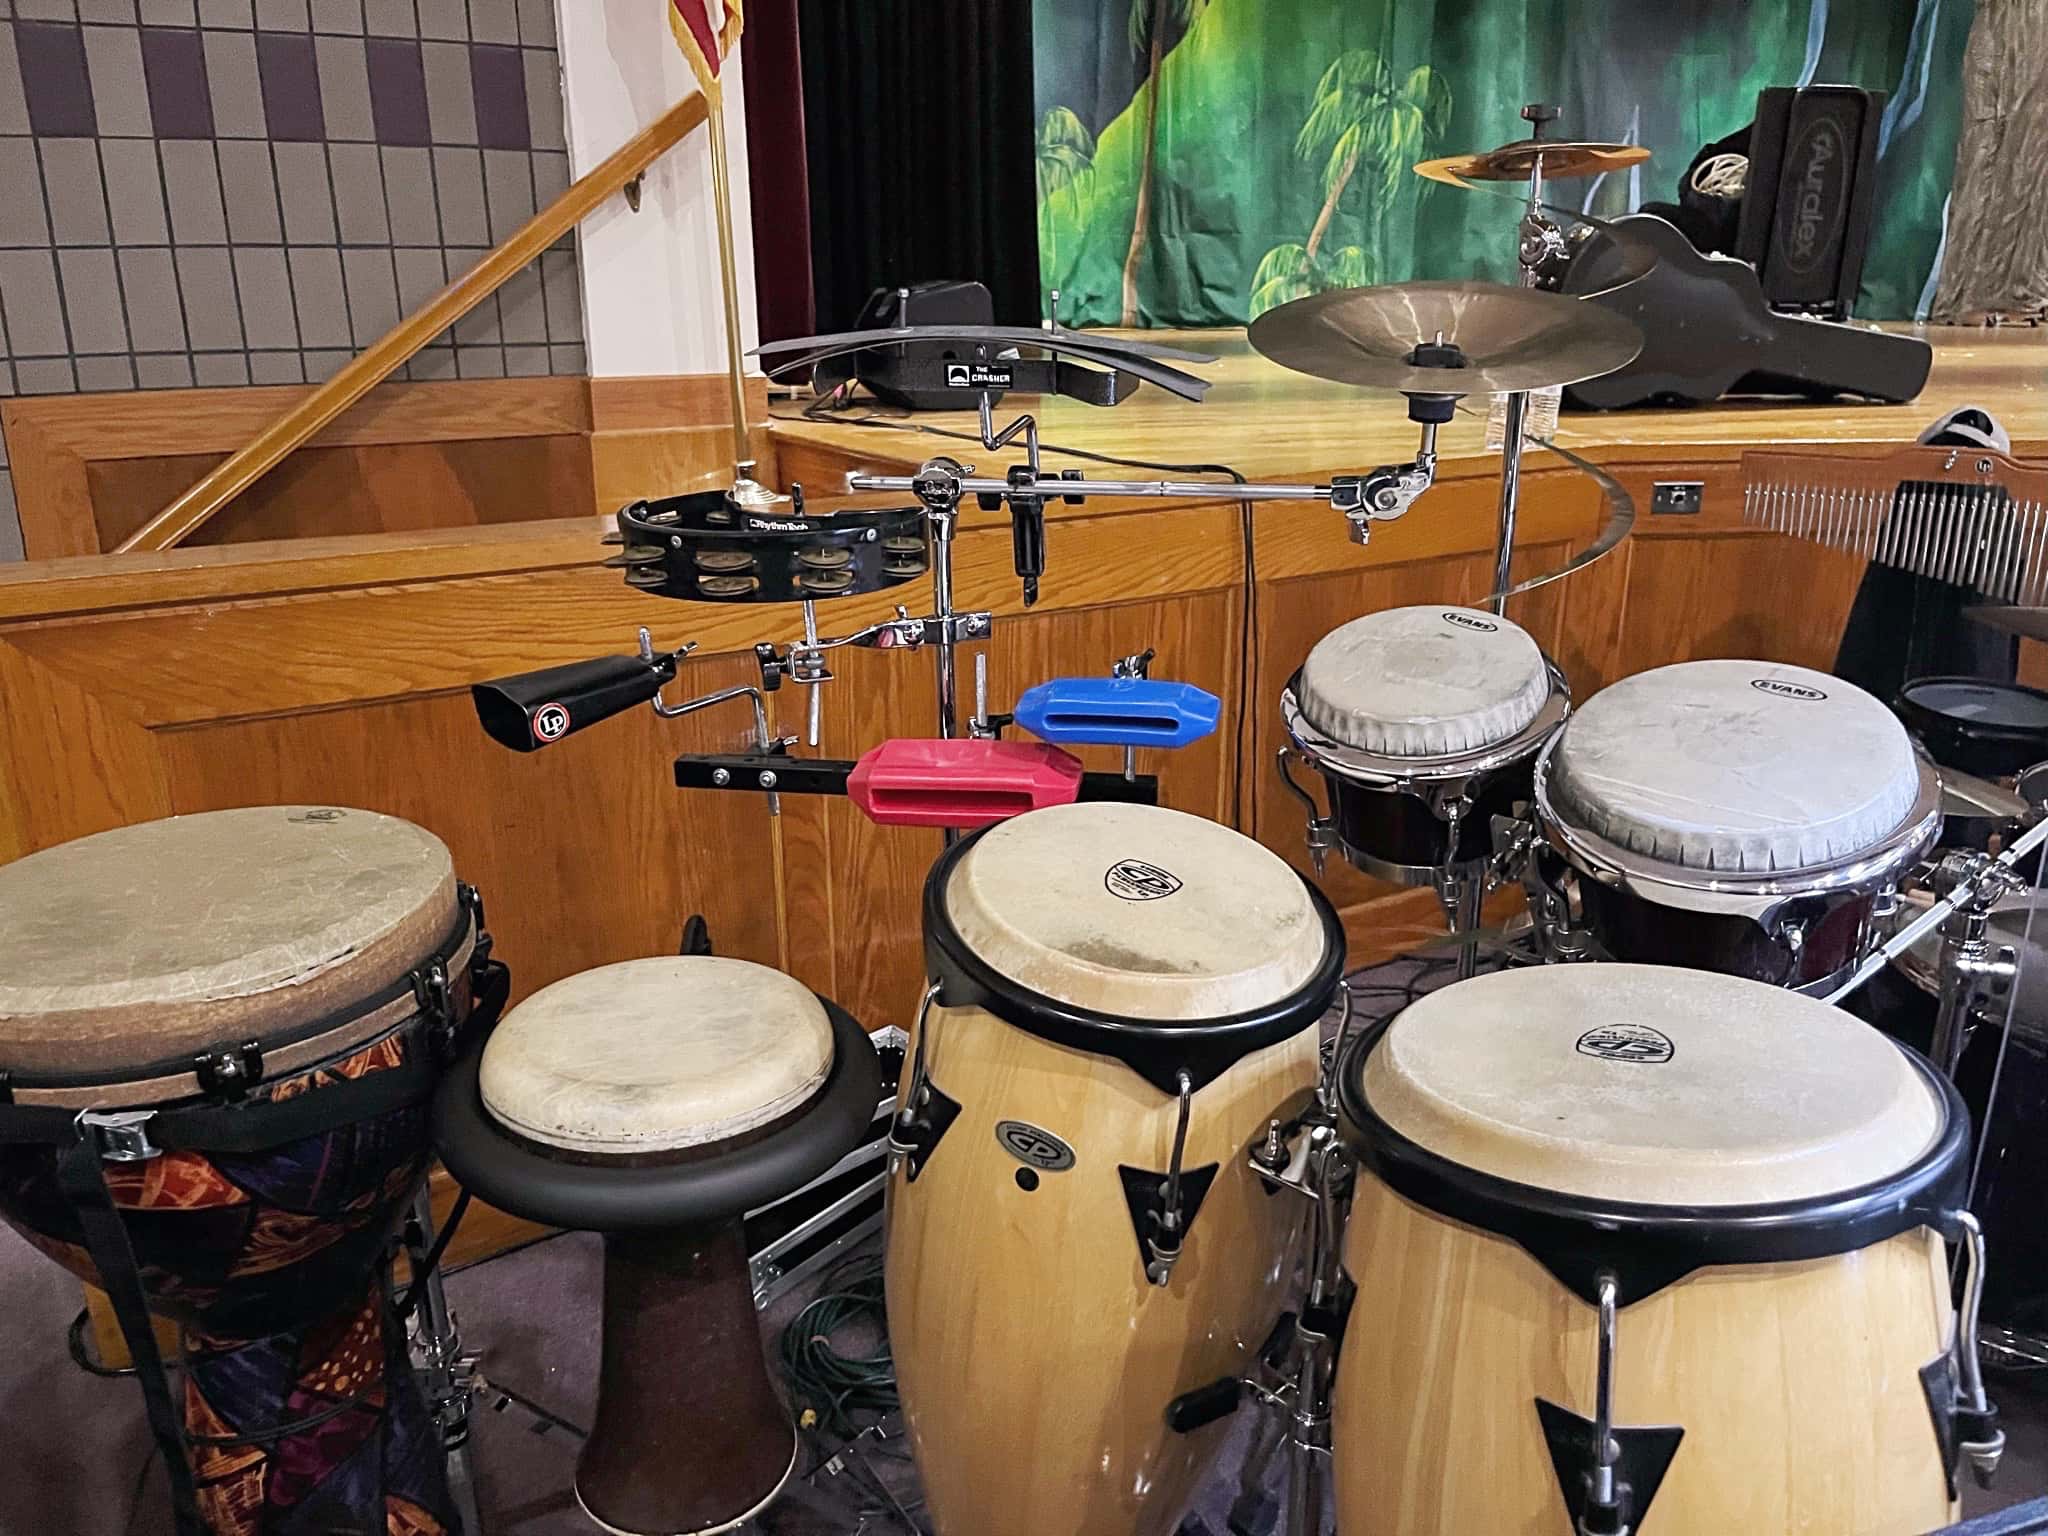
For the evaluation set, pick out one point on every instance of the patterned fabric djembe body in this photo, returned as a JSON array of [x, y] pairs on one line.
[[309, 969]]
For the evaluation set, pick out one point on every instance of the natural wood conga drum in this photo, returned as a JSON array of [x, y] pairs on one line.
[[1698, 1209], [1124, 997], [657, 1101], [219, 1039]]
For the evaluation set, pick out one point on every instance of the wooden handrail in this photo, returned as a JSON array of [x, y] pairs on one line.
[[388, 353]]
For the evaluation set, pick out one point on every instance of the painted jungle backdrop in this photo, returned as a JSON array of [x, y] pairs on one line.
[[1202, 160]]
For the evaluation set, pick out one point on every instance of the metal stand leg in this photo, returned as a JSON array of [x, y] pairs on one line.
[[1462, 890], [443, 1371], [1512, 433], [1329, 1173]]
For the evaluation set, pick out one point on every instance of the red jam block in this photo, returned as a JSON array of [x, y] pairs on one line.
[[913, 782]]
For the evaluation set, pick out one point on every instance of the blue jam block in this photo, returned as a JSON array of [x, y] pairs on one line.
[[1118, 712]]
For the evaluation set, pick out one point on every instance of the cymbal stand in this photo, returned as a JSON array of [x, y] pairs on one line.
[[1539, 242]]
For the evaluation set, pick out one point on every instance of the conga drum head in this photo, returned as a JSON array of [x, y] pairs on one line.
[[1159, 938], [1424, 682], [1735, 767], [124, 954], [1648, 1086], [656, 1056]]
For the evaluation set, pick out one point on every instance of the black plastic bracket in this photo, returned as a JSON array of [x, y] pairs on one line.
[[229, 1074], [1645, 1457], [931, 1119], [1204, 1405], [1145, 1196], [1938, 1382]]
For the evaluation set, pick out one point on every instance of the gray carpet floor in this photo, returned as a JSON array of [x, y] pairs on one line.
[[75, 1457]]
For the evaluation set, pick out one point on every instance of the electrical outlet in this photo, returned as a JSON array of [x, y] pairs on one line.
[[1676, 496]]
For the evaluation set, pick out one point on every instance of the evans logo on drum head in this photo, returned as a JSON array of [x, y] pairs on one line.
[[550, 722], [1780, 690], [1033, 1147], [1627, 1042], [1466, 621], [1135, 880]]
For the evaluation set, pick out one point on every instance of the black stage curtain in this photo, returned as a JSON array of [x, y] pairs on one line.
[[917, 127]]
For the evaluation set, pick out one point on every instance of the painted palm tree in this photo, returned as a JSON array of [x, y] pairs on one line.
[[1148, 20], [1066, 155], [1367, 126], [1294, 272], [1366, 119]]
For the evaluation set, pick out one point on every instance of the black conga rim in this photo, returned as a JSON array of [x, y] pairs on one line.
[[1158, 1050], [620, 1197], [1647, 1247]]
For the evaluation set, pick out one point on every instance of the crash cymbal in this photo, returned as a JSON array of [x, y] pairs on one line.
[[1497, 338], [2027, 623], [1563, 160]]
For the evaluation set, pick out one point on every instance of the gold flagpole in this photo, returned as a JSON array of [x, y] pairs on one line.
[[746, 491]]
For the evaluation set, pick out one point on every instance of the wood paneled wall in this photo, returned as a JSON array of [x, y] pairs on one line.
[[91, 469]]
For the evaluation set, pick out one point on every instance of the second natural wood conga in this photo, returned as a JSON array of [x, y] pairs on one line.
[[1124, 997], [1699, 1212]]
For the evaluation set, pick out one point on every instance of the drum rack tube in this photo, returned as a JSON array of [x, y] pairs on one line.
[[1998, 871]]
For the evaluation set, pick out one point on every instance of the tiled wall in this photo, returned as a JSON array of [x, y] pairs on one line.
[[250, 191]]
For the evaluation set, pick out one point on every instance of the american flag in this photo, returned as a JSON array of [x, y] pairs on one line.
[[706, 31]]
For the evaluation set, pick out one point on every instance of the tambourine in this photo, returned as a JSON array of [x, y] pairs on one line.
[[702, 548]]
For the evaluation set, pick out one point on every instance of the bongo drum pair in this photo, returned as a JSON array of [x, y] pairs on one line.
[[657, 1101], [1123, 998], [1642, 1248], [219, 1035], [1737, 816]]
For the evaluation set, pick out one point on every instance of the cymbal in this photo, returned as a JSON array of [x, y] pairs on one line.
[[1563, 160], [1510, 338], [2027, 623]]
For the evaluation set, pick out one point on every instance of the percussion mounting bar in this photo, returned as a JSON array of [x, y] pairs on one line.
[[1963, 879], [1380, 495], [775, 770]]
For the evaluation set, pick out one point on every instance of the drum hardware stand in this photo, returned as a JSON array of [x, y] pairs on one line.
[[1973, 973], [1320, 1170], [1539, 250], [1966, 877], [448, 1376]]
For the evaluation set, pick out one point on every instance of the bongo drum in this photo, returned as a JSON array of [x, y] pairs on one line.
[[1424, 724], [1686, 1217], [657, 1101], [1737, 816], [1123, 998], [220, 1034]]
